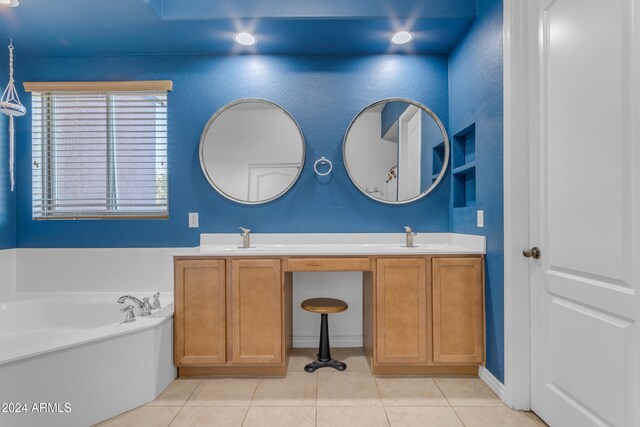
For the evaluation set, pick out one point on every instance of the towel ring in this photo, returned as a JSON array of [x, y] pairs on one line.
[[323, 161]]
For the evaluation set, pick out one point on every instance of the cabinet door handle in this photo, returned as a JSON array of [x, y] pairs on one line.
[[534, 252]]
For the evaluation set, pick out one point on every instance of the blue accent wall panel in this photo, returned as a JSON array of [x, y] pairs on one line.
[[475, 91], [323, 93], [7, 198]]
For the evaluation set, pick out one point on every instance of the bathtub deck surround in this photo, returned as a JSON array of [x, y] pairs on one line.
[[35, 324], [423, 306], [75, 348]]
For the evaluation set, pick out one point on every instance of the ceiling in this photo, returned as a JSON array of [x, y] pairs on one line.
[[108, 27]]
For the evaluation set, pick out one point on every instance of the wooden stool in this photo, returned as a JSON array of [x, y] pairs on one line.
[[324, 306]]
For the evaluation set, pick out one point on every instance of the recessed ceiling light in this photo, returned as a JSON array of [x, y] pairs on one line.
[[245, 39], [401, 37], [10, 3]]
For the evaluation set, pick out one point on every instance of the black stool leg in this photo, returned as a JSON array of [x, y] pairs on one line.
[[324, 350]]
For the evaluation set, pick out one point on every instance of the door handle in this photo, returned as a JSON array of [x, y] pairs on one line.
[[534, 252]]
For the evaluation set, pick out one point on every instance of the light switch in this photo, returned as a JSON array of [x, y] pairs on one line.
[[193, 220], [480, 219]]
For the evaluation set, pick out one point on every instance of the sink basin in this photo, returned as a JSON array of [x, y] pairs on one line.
[[324, 248], [240, 248], [418, 247]]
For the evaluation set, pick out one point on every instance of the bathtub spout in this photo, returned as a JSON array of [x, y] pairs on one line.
[[144, 306], [122, 299]]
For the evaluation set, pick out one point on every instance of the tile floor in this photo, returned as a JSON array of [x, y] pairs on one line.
[[326, 398]]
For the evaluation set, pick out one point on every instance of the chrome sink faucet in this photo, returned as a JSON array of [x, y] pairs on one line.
[[409, 234], [144, 306], [246, 237]]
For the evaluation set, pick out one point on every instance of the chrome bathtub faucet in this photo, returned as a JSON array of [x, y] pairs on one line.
[[129, 316], [246, 237], [156, 302], [409, 234], [144, 306]]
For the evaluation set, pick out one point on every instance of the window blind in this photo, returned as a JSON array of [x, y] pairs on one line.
[[99, 154]]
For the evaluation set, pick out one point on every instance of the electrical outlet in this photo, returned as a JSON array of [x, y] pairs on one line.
[[193, 220], [480, 219]]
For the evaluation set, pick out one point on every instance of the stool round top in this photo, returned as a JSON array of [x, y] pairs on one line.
[[324, 305]]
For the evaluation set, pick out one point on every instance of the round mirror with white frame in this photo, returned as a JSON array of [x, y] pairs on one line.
[[396, 151], [252, 151]]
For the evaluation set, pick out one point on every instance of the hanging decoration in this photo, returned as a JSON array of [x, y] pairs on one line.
[[11, 106]]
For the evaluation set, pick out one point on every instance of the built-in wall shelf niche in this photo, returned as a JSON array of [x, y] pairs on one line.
[[464, 167]]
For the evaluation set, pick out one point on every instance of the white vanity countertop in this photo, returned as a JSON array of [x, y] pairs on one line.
[[337, 244]]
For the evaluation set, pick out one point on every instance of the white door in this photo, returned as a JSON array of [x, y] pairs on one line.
[[585, 212], [409, 153], [269, 180]]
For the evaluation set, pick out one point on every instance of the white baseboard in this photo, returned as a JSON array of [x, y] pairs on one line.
[[493, 383], [339, 341]]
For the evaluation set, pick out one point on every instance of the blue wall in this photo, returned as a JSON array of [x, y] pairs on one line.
[[323, 93], [7, 198], [475, 90]]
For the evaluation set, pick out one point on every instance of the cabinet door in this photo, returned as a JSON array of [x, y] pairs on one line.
[[458, 310], [401, 316], [257, 311], [199, 332]]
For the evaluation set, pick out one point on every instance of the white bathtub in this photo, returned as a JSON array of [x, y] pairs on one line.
[[69, 360]]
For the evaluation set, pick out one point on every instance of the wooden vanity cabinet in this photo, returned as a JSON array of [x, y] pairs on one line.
[[230, 317], [422, 314], [458, 310], [199, 320], [429, 316], [256, 293], [401, 309]]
